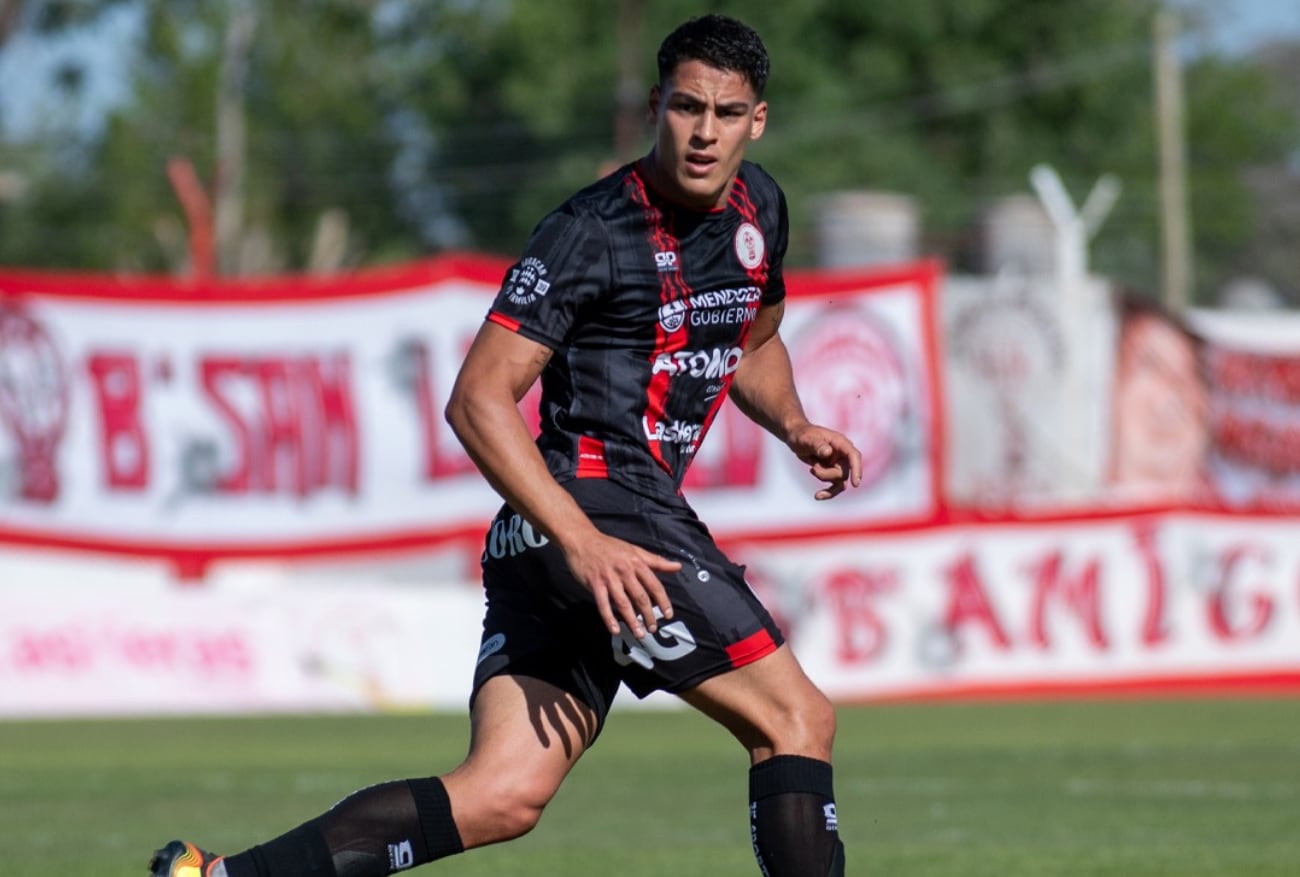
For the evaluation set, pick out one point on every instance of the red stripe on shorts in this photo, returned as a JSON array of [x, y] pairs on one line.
[[751, 648]]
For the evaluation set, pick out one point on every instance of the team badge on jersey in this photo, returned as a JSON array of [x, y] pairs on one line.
[[750, 245], [672, 316], [527, 281]]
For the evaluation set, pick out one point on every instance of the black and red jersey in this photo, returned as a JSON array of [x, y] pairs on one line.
[[647, 305]]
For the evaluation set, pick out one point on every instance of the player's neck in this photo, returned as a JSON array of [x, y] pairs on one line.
[[661, 186]]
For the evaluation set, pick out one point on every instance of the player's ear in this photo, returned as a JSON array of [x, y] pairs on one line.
[[757, 126], [652, 104]]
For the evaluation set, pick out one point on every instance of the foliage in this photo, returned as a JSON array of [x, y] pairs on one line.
[[448, 123]]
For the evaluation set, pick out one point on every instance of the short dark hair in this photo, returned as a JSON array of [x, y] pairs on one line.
[[719, 41]]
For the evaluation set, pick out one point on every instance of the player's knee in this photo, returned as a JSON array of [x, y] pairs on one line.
[[512, 811], [516, 818], [808, 727], [819, 720]]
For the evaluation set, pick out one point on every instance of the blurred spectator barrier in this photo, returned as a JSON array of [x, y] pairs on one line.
[[1022, 529], [1156, 603], [298, 416]]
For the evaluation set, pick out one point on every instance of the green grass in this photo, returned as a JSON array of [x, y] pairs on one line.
[[1180, 788]]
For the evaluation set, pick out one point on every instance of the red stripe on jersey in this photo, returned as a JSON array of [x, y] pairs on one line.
[[503, 320], [672, 287], [739, 198], [751, 648], [591, 458], [744, 205]]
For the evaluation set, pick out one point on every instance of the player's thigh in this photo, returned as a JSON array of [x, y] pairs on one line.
[[770, 706], [525, 737]]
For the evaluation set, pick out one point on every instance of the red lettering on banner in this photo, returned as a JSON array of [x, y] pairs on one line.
[[1080, 595], [123, 444], [282, 432], [209, 654], [304, 422], [1259, 441], [77, 650], [1154, 628], [214, 372], [51, 650], [968, 603], [442, 458], [861, 634], [1253, 375], [338, 446], [1224, 619]]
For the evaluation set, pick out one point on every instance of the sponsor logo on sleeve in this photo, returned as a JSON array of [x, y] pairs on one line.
[[527, 281], [493, 644]]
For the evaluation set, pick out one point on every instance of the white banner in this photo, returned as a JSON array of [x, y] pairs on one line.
[[1155, 603], [299, 415], [1095, 604], [1251, 368], [247, 645], [1026, 392]]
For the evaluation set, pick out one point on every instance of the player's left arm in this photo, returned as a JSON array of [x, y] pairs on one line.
[[763, 388]]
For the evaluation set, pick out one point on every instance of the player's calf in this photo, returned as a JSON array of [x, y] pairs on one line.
[[373, 833], [793, 822]]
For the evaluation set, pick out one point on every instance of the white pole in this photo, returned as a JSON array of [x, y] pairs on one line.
[[1074, 228]]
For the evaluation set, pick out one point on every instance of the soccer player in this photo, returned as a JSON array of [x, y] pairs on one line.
[[640, 303]]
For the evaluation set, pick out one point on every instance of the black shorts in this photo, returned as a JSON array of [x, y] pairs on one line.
[[541, 623]]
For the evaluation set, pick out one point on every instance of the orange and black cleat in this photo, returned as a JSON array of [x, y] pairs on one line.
[[181, 859]]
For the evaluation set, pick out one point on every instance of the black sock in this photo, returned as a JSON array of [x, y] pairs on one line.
[[792, 818], [372, 833]]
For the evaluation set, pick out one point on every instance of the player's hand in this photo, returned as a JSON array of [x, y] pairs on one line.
[[623, 579], [831, 457]]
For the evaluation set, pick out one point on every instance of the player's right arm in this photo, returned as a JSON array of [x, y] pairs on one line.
[[483, 412]]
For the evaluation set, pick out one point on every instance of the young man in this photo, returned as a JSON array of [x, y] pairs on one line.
[[640, 303]]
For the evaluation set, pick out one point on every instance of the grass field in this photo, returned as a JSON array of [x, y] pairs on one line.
[[1183, 788]]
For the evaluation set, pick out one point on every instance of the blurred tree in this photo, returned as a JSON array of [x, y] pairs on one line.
[[277, 108], [1269, 255], [447, 123]]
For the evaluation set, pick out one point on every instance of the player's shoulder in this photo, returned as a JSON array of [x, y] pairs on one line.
[[757, 179], [600, 199], [583, 215]]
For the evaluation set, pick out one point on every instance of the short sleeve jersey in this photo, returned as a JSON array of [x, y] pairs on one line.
[[647, 306]]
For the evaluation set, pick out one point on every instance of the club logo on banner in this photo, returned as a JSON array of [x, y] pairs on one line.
[[33, 405], [853, 380], [1005, 386]]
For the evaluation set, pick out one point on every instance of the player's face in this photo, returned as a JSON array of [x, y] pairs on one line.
[[704, 118]]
